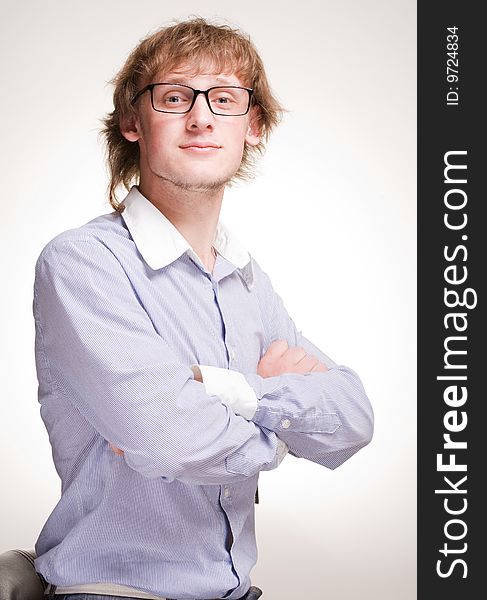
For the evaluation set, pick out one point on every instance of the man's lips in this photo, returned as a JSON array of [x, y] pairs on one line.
[[200, 147]]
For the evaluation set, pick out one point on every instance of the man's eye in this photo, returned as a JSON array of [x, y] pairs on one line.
[[223, 100], [173, 97]]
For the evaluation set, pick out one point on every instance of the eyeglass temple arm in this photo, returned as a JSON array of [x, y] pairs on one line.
[[140, 92]]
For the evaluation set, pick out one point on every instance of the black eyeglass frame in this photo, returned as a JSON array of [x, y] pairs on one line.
[[196, 93]]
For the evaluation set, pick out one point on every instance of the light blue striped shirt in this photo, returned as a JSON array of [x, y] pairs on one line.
[[123, 308]]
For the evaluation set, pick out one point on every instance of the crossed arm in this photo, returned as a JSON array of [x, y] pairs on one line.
[[279, 358], [98, 348]]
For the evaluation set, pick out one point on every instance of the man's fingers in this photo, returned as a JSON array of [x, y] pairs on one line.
[[115, 449], [320, 368], [276, 349], [307, 364], [296, 354], [280, 358]]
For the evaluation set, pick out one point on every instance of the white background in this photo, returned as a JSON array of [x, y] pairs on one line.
[[331, 218]]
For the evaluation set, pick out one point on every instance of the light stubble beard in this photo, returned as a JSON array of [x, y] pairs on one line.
[[201, 187]]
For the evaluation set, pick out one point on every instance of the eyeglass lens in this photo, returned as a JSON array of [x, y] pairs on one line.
[[223, 100]]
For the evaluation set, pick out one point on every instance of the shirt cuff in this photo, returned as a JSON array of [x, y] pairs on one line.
[[230, 386]]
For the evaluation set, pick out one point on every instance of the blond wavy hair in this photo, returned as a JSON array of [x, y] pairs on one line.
[[204, 47]]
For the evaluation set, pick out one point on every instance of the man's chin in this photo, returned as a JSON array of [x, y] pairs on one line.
[[203, 184]]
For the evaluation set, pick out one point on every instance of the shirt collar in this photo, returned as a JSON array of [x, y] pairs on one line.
[[161, 243]]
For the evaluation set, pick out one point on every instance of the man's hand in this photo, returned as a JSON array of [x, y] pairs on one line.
[[279, 359], [115, 449]]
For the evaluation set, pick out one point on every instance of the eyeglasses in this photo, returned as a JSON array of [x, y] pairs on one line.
[[230, 100]]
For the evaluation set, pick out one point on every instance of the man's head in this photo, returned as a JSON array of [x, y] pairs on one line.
[[145, 134]]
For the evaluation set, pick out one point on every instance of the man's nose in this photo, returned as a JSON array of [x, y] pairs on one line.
[[200, 115]]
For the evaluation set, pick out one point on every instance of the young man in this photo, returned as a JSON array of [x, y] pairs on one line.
[[170, 373]]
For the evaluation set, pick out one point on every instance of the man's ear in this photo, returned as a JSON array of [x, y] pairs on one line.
[[130, 127], [253, 135]]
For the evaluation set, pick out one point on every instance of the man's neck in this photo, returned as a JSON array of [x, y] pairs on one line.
[[194, 213]]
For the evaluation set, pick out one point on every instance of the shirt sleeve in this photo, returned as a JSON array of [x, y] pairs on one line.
[[323, 417], [101, 353], [234, 391]]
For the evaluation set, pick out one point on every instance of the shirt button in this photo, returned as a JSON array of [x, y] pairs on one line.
[[285, 423], [226, 492]]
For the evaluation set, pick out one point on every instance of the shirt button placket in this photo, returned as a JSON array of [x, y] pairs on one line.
[[228, 346]]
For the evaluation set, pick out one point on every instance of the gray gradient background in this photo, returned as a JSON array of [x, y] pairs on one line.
[[341, 253]]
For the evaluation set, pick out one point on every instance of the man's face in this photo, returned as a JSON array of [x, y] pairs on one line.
[[197, 150]]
